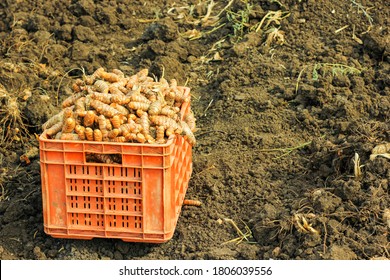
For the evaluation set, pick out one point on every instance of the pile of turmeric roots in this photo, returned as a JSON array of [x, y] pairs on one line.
[[110, 107]]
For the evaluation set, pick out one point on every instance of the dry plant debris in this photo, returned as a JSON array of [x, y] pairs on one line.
[[364, 10], [274, 35], [288, 150], [12, 123], [3, 193], [209, 19], [241, 19], [382, 150], [107, 106], [271, 17], [30, 153], [386, 217], [302, 225], [357, 168], [247, 236]]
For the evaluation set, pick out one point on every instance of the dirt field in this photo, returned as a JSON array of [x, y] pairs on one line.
[[285, 94]]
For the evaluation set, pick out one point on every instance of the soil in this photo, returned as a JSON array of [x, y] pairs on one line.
[[285, 94]]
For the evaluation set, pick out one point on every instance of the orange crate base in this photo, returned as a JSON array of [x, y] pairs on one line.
[[149, 238], [138, 200]]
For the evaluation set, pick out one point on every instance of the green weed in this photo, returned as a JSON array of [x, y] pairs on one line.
[[334, 69]]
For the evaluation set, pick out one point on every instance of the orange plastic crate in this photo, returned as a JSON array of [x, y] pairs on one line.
[[138, 200]]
